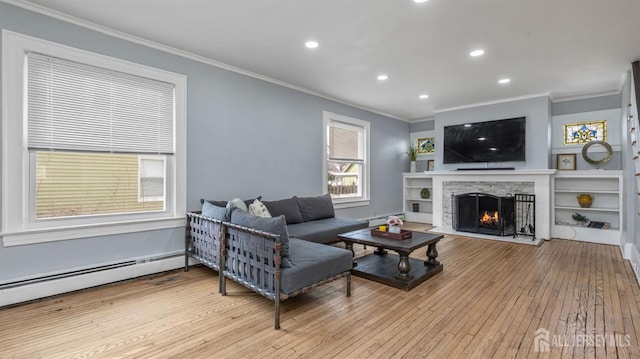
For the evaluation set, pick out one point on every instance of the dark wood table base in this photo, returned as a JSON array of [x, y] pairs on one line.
[[388, 269]]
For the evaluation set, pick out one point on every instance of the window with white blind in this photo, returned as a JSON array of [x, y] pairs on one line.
[[98, 144], [346, 160]]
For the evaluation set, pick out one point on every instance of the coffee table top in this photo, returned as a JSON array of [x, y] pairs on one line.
[[417, 240]]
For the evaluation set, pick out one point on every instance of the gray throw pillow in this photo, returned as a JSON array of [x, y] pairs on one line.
[[273, 225], [285, 207], [237, 203], [213, 211], [314, 208], [224, 203]]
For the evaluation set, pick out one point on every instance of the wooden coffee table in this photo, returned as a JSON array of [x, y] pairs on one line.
[[400, 271]]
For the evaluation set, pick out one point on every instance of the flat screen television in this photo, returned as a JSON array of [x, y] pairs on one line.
[[490, 141]]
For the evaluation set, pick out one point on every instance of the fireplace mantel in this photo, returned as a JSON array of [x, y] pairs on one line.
[[541, 180]]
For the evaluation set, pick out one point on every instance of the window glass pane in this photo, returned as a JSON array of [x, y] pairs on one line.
[[583, 132], [151, 179], [76, 183], [344, 179], [344, 143]]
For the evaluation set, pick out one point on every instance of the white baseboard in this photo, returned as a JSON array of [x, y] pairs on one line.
[[48, 288]]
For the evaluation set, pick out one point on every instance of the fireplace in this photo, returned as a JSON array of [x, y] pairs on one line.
[[484, 213]]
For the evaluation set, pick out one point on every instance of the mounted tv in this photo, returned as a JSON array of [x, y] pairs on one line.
[[490, 141]]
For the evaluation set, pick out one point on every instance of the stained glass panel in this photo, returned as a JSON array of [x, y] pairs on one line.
[[583, 132], [426, 145]]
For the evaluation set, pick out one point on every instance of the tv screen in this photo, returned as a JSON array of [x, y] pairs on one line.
[[490, 141]]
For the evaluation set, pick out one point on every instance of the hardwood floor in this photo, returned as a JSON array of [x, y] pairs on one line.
[[488, 302]]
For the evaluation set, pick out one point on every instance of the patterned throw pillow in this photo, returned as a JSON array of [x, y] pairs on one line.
[[258, 209], [237, 203]]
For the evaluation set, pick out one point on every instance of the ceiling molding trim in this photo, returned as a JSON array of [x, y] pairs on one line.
[[463, 107], [584, 97], [158, 46]]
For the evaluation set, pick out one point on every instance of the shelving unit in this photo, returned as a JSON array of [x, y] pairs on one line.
[[606, 189], [413, 184]]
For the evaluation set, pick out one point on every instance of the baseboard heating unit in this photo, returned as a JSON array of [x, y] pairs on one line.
[[45, 285]]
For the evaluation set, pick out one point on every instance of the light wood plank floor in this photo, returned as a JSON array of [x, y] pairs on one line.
[[487, 303]]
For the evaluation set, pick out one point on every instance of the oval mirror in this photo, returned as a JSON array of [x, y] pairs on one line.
[[597, 153]]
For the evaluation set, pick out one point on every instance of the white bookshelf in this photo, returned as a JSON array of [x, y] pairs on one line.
[[413, 184], [606, 189]]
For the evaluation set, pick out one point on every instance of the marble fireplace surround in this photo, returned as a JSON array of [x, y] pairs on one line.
[[495, 182]]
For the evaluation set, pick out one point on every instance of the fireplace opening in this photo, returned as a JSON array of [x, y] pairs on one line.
[[484, 213]]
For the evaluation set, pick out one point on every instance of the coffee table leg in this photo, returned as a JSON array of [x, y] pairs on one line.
[[432, 254], [404, 267], [349, 246], [380, 251]]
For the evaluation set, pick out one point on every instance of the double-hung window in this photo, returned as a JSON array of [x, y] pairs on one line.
[[346, 160], [96, 144]]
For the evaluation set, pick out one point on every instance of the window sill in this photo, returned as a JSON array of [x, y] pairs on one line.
[[92, 230], [350, 203]]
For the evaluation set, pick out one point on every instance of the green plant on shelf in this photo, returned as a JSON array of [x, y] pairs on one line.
[[580, 218]]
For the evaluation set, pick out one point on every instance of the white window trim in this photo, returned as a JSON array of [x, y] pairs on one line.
[[363, 200], [17, 227]]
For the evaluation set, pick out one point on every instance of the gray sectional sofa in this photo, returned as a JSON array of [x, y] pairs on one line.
[[279, 256]]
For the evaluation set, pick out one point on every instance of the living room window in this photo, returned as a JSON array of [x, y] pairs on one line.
[[346, 160], [94, 142]]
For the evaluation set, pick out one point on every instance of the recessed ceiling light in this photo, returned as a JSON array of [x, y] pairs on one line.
[[481, 138], [424, 96], [467, 125], [311, 44], [419, 1], [504, 81], [382, 77], [493, 149], [476, 53]]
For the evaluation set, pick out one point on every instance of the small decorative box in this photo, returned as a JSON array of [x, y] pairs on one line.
[[404, 234]]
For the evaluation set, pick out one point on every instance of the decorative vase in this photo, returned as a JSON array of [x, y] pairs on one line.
[[425, 193], [412, 166], [394, 229], [585, 200]]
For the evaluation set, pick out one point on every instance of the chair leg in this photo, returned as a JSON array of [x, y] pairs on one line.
[[349, 285], [223, 283], [277, 323]]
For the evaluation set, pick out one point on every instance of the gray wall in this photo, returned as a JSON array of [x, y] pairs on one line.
[[246, 137], [536, 110], [423, 125], [586, 104]]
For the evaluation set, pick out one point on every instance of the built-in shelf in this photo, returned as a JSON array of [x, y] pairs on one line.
[[413, 184], [606, 189]]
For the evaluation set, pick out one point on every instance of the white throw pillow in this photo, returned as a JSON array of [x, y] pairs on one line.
[[258, 209], [237, 203]]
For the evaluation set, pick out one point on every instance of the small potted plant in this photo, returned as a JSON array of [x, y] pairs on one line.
[[412, 152], [394, 223], [580, 219]]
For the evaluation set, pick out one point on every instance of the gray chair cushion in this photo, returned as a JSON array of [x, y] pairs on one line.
[[285, 207], [325, 230], [273, 225], [313, 208], [311, 263], [213, 211]]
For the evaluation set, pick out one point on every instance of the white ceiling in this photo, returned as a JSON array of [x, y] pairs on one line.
[[563, 48]]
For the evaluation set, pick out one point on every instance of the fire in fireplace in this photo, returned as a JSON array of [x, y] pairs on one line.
[[484, 213], [487, 218]]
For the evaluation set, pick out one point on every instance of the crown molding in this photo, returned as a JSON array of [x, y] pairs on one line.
[[511, 99], [188, 55]]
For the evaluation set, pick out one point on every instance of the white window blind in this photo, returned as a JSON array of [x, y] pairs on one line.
[[345, 143], [79, 107]]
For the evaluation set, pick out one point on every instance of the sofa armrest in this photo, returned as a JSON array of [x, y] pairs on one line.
[[203, 240], [252, 258]]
